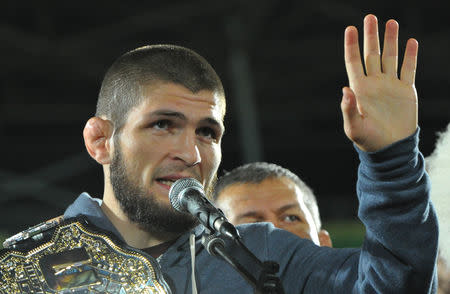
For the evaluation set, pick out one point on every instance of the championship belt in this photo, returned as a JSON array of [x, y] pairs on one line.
[[79, 259]]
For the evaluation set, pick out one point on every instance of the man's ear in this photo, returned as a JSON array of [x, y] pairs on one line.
[[324, 239], [97, 134]]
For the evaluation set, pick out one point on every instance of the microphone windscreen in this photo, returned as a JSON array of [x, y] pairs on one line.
[[178, 187]]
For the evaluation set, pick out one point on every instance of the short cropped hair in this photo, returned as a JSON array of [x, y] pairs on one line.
[[123, 85], [256, 172]]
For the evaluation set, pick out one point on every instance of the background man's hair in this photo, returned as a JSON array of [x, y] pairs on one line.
[[124, 82], [256, 172]]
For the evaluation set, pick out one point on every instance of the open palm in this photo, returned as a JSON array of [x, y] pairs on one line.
[[379, 108]]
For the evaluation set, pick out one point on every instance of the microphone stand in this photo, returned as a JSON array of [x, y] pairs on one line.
[[261, 275]]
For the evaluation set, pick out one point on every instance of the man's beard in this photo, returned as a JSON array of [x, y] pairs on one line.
[[142, 207]]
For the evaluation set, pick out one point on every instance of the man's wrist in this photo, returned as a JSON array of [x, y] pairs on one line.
[[403, 150]]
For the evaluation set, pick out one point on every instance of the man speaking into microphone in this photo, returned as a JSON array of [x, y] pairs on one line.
[[159, 119]]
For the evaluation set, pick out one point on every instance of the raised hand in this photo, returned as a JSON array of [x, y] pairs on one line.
[[379, 108]]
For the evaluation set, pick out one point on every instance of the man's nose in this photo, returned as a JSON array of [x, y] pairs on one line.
[[187, 149], [275, 223], [272, 220]]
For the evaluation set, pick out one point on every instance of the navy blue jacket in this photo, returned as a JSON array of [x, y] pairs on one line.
[[398, 254]]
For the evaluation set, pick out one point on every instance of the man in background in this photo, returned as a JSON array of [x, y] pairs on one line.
[[266, 192]]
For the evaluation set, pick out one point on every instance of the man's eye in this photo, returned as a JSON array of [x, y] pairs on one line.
[[206, 132], [161, 124], [291, 218]]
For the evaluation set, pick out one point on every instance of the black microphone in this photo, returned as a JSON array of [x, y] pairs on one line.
[[187, 195]]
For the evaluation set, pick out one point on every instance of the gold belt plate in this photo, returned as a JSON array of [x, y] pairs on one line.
[[78, 260]]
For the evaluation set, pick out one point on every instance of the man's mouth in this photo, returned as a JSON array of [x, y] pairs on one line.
[[167, 182]]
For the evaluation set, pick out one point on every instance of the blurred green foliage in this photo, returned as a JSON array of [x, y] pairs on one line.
[[345, 233], [3, 236]]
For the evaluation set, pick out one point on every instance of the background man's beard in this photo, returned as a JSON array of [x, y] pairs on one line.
[[141, 207]]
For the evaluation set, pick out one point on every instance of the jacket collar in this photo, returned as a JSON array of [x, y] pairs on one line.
[[90, 208]]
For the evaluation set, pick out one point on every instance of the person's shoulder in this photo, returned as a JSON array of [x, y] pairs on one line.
[[268, 242], [268, 233], [33, 236], [255, 229], [261, 228]]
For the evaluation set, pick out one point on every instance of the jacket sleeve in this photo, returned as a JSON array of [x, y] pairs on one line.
[[400, 247], [399, 251]]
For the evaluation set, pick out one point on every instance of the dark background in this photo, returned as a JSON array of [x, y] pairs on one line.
[[282, 67]]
